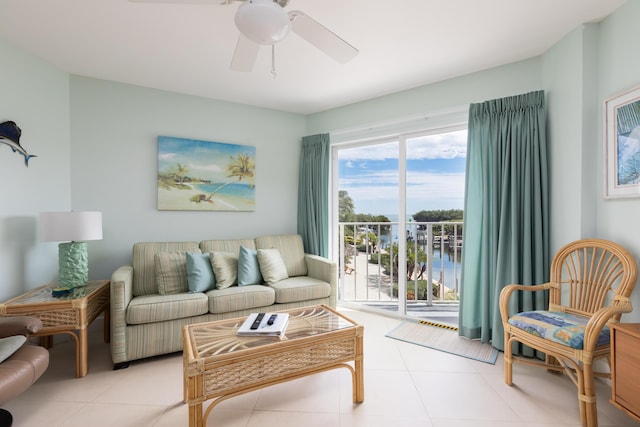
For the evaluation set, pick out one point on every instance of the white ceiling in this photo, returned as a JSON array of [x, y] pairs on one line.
[[187, 48]]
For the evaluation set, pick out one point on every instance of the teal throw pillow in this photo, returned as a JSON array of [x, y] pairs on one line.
[[200, 273], [248, 267]]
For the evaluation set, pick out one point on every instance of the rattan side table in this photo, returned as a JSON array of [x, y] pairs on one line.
[[70, 314]]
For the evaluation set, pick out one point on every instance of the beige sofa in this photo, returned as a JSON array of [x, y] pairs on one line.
[[152, 298]]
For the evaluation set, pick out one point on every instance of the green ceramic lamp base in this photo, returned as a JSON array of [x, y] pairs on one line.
[[73, 264]]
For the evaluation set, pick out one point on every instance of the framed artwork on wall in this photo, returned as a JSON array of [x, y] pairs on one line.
[[196, 175], [622, 141]]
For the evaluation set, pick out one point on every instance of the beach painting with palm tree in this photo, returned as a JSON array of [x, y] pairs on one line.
[[199, 175]]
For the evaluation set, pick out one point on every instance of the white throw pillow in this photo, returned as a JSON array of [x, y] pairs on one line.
[[171, 272], [272, 266], [225, 268], [10, 345]]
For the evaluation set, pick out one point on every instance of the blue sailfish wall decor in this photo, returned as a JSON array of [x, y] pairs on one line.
[[10, 135]]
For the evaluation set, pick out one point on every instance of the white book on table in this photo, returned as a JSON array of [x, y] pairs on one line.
[[264, 329]]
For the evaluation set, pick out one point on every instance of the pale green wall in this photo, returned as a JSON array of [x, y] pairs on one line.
[[35, 95], [618, 71], [519, 77], [96, 143], [114, 130], [590, 64], [572, 106]]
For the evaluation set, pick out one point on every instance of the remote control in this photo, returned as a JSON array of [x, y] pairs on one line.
[[272, 319], [256, 322]]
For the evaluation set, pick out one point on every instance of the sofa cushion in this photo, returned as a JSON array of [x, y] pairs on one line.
[[200, 275], [272, 265], [232, 245], [171, 272], [291, 248], [144, 274], [159, 308], [300, 288], [20, 371], [225, 268], [240, 298], [248, 267]]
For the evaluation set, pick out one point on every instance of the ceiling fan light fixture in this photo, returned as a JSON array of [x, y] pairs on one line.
[[263, 21]]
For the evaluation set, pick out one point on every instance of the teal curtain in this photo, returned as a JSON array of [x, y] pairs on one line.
[[313, 194], [506, 213]]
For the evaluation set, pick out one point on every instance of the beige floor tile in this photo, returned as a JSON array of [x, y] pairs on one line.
[[178, 415], [463, 396], [316, 393], [474, 423], [418, 358], [146, 384], [396, 420], [386, 393], [105, 415], [279, 419], [44, 412], [405, 385]]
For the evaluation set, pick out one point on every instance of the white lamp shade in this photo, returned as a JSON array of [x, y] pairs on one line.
[[70, 226], [263, 21]]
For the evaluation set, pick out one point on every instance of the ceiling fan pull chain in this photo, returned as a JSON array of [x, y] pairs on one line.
[[273, 60]]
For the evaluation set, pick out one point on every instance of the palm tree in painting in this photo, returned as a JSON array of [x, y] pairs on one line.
[[182, 171], [240, 167]]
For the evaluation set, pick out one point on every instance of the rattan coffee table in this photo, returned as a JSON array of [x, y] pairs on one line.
[[70, 314], [218, 364]]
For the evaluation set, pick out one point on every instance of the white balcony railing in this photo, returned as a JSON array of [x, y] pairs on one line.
[[369, 262]]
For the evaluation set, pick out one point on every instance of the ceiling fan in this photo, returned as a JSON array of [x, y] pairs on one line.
[[265, 22]]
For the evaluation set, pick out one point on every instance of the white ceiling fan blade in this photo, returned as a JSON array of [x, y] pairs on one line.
[[321, 37], [245, 54]]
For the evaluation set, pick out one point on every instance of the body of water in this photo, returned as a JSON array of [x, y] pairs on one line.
[[446, 264], [237, 189]]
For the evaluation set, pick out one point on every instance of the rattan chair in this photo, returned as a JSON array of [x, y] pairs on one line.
[[590, 284]]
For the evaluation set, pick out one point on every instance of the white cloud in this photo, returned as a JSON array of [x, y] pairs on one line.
[[377, 192], [440, 146], [167, 156], [207, 167]]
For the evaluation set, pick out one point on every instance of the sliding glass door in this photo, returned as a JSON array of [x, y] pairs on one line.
[[367, 189], [397, 220]]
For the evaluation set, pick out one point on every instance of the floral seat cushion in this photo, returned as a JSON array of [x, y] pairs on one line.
[[563, 328]]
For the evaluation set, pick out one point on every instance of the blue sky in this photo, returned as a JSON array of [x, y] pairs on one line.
[[203, 159], [435, 174]]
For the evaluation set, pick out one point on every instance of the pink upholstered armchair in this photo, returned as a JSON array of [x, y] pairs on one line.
[[22, 363]]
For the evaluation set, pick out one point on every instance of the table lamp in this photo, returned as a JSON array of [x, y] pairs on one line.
[[72, 228]]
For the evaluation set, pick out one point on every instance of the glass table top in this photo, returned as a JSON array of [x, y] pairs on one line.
[[219, 337], [44, 294]]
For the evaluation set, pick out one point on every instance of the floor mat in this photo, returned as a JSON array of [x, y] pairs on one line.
[[444, 338]]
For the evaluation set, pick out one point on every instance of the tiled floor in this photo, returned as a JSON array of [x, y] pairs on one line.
[[405, 385]]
